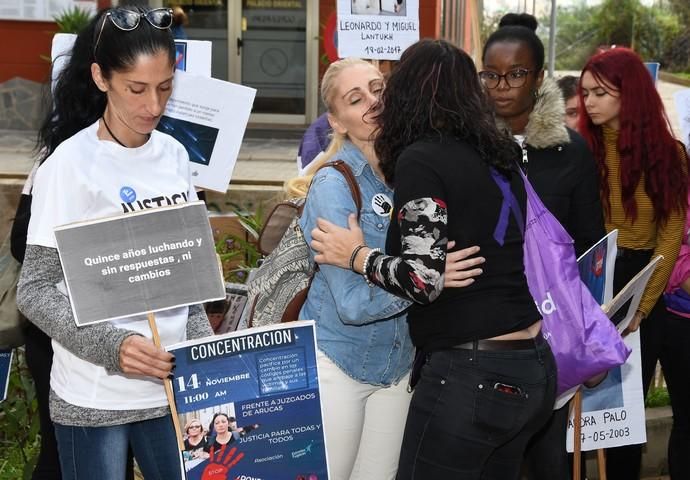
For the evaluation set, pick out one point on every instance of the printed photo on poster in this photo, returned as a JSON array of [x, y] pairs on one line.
[[596, 267], [250, 405], [378, 7], [181, 56], [199, 139]]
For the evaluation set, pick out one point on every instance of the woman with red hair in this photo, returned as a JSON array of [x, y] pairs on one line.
[[644, 176]]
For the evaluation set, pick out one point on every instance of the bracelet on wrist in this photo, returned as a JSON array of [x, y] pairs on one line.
[[365, 265], [353, 257]]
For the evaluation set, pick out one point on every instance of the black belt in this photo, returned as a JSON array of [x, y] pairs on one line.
[[633, 253], [522, 344]]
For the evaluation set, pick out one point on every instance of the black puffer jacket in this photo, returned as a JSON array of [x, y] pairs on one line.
[[561, 169]]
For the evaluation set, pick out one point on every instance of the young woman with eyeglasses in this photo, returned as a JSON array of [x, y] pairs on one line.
[[644, 184], [558, 164], [101, 153]]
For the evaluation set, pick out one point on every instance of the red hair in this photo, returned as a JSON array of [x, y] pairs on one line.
[[645, 142]]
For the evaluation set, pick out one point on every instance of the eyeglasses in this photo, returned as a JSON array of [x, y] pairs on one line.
[[128, 20], [195, 426], [515, 78]]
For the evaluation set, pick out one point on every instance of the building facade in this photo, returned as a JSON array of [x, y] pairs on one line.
[[279, 47]]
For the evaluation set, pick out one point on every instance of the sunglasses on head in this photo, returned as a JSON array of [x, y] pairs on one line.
[[128, 20]]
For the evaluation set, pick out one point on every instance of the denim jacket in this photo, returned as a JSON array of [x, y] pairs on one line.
[[362, 329]]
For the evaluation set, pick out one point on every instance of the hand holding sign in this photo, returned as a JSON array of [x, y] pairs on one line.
[[219, 466], [139, 356]]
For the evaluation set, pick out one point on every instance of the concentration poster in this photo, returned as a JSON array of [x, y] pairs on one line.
[[249, 405]]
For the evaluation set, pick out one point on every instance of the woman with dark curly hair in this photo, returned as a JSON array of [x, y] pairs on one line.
[[488, 380], [644, 184]]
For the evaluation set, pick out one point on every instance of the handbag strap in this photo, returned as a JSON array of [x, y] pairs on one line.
[[352, 184]]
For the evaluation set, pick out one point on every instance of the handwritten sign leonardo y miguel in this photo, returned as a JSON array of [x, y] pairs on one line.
[[139, 262], [377, 29]]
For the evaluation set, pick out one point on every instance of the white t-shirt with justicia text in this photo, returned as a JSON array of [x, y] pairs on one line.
[[87, 178]]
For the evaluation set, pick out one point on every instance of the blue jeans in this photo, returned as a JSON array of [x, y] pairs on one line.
[[101, 452], [473, 412]]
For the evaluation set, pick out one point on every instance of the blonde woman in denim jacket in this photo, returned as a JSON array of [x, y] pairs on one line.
[[365, 352]]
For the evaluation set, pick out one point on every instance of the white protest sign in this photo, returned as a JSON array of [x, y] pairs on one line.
[[60, 53], [613, 412], [682, 101], [208, 117], [139, 262], [377, 29]]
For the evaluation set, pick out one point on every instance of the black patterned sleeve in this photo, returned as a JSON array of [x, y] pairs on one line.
[[418, 273]]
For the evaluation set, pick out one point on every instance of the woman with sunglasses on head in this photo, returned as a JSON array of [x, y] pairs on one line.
[[644, 183], [488, 382], [102, 156], [558, 164]]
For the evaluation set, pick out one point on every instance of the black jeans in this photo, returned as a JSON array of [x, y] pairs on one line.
[[623, 463], [675, 362], [546, 457], [473, 412]]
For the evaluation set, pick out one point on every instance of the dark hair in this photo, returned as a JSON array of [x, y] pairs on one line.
[[659, 163], [568, 86], [77, 102], [434, 91], [218, 414], [518, 27]]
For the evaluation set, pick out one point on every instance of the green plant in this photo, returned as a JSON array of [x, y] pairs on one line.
[[657, 397], [72, 20], [19, 444], [231, 248]]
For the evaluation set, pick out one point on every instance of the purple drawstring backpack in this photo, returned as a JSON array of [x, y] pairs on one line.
[[583, 340]]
